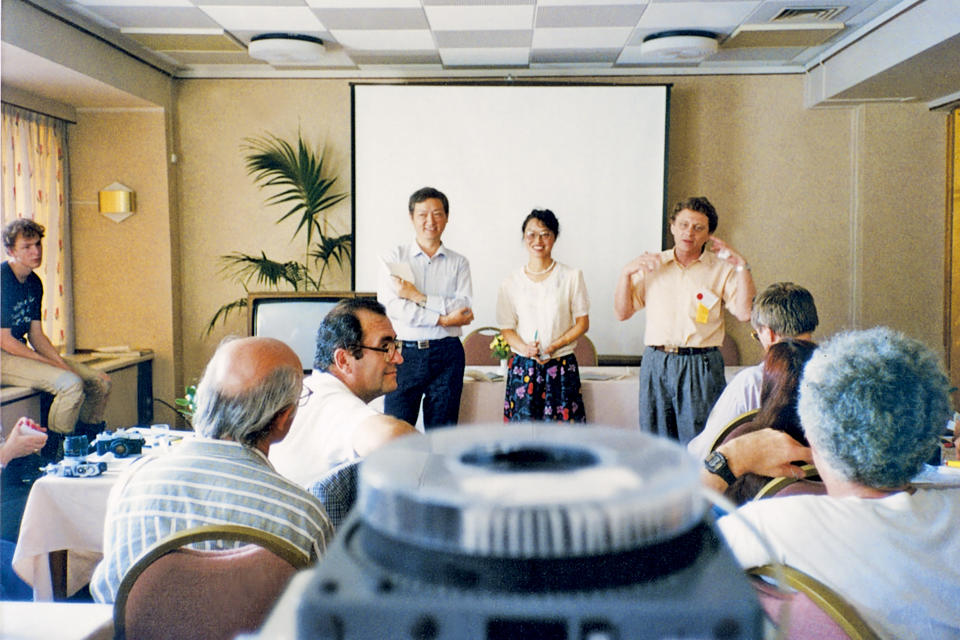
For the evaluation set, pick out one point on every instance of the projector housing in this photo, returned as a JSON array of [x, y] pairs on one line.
[[412, 562]]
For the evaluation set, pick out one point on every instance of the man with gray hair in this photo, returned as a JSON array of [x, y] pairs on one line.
[[246, 401], [782, 310], [872, 404]]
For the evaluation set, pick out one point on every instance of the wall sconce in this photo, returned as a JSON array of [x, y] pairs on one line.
[[118, 202]]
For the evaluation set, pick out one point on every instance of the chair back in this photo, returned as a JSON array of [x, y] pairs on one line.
[[730, 351], [176, 592], [585, 352], [337, 490], [476, 346], [810, 484], [816, 612], [743, 418]]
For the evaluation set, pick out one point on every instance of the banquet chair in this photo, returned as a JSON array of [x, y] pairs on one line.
[[742, 419], [816, 612], [337, 490], [809, 484], [585, 352], [476, 346], [184, 593]]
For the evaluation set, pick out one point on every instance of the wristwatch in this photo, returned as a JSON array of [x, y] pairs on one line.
[[716, 463]]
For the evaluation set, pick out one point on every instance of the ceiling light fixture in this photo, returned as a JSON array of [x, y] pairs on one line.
[[286, 48], [679, 46]]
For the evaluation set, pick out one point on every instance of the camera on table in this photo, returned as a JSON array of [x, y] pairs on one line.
[[74, 463], [120, 443]]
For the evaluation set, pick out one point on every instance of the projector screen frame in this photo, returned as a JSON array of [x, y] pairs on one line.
[[656, 239]]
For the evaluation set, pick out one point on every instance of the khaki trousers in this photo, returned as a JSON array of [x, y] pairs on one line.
[[81, 393]]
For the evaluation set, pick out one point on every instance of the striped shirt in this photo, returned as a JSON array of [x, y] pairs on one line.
[[203, 482]]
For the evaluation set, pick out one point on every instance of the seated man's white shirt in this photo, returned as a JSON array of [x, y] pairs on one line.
[[742, 394], [322, 433], [894, 558]]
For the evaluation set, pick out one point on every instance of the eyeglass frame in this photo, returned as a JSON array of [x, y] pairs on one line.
[[387, 356], [530, 236], [304, 397]]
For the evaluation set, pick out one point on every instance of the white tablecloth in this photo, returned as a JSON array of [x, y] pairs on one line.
[[60, 621], [68, 514], [609, 396]]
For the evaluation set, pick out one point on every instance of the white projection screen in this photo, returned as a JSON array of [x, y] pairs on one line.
[[595, 155]]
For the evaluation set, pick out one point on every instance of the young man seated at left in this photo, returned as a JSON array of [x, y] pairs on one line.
[[79, 392]]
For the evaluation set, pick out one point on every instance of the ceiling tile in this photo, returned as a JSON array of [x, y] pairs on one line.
[[134, 3], [585, 38], [474, 3], [504, 57], [592, 16], [475, 39], [261, 3], [566, 3], [174, 17], [184, 40], [363, 4], [391, 57], [384, 39], [573, 56], [696, 15], [373, 19], [265, 19], [485, 17]]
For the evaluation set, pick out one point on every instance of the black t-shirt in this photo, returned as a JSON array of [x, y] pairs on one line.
[[19, 301]]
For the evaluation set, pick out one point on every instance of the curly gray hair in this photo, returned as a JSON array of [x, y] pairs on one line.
[[872, 404]]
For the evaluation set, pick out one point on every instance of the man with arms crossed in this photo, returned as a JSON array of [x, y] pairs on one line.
[[428, 314], [684, 290], [872, 404], [78, 391], [246, 402], [356, 361], [782, 310]]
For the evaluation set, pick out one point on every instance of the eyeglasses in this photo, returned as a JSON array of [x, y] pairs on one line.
[[389, 351], [543, 235], [683, 226], [755, 335], [305, 393]]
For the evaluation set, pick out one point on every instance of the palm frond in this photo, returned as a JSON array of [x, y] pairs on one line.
[[223, 312], [329, 249], [300, 173], [262, 270]]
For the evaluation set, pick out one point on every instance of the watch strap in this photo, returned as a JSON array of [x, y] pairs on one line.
[[716, 463]]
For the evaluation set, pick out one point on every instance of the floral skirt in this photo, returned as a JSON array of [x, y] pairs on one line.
[[548, 392]]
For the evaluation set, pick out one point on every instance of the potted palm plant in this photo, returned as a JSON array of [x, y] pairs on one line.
[[306, 186]]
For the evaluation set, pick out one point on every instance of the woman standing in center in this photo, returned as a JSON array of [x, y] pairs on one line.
[[542, 310]]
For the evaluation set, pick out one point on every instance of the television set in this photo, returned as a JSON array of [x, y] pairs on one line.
[[294, 317]]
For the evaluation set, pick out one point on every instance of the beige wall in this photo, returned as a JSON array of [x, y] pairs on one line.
[[222, 211], [818, 197], [123, 273]]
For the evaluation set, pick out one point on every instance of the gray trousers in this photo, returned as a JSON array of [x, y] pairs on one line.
[[678, 391]]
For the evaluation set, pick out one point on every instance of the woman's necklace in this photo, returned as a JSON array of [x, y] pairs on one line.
[[531, 272]]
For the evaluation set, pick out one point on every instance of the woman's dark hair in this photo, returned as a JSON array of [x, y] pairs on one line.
[[546, 218], [782, 368]]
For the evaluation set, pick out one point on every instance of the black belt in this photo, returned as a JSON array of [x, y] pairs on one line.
[[424, 344], [684, 351]]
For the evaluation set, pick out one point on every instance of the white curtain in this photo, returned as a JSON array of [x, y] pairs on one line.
[[34, 184]]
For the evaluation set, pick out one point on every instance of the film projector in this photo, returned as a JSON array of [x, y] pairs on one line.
[[529, 532]]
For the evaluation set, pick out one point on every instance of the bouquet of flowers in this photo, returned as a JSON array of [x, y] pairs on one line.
[[499, 347]]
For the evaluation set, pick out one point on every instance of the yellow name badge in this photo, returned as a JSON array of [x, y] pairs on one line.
[[702, 313], [705, 300]]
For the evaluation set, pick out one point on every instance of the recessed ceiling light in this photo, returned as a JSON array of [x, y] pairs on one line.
[[286, 48], [678, 46]]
